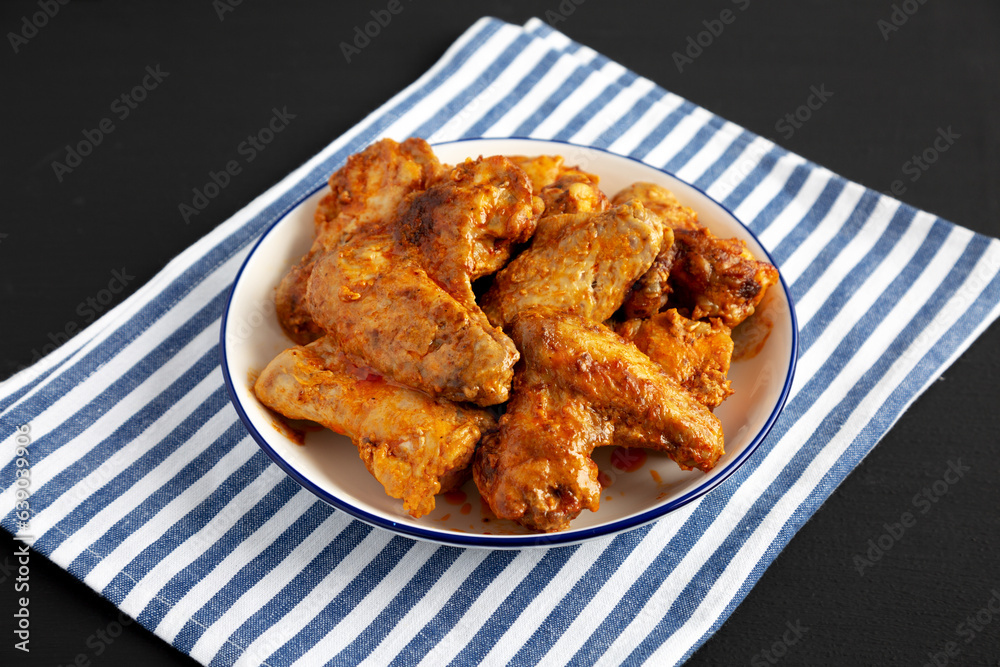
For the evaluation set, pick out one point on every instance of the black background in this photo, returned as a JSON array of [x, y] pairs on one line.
[[119, 209]]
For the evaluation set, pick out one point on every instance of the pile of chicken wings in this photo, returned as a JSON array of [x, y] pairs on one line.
[[432, 292]]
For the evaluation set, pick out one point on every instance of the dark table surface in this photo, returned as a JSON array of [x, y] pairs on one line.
[[897, 73]]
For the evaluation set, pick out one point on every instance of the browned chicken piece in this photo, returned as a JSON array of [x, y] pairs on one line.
[[465, 226], [574, 192], [377, 295], [581, 263], [542, 170], [383, 308], [694, 354], [367, 190], [537, 469], [414, 445], [582, 386], [660, 201], [650, 292], [562, 189], [713, 277]]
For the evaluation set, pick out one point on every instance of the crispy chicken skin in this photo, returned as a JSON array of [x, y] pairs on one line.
[[414, 445], [574, 191], [368, 189], [465, 226], [694, 354], [650, 292], [537, 469], [542, 170], [383, 309], [396, 293], [660, 201], [582, 263], [713, 277], [562, 189], [582, 386]]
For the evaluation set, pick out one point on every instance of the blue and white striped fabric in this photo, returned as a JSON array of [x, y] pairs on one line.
[[146, 486]]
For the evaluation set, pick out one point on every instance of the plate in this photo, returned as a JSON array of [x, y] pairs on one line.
[[639, 487]]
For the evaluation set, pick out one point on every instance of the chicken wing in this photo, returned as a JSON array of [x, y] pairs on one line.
[[650, 292], [582, 386], [660, 201], [562, 189], [383, 308], [537, 469], [397, 295], [581, 263], [367, 190], [713, 277], [694, 354], [414, 445], [465, 226]]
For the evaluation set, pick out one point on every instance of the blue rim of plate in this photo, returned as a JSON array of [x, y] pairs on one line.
[[565, 538]]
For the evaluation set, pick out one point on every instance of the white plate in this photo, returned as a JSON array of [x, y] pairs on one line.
[[328, 465]]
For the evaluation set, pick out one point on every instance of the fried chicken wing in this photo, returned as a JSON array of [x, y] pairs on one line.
[[464, 226], [660, 201], [581, 378], [537, 469], [562, 189], [713, 277], [383, 309], [582, 263], [650, 292], [397, 295], [574, 192], [414, 445], [694, 354], [367, 190]]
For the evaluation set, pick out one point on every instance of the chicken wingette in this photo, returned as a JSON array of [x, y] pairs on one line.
[[414, 445], [582, 386]]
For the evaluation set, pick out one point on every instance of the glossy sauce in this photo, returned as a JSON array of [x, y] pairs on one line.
[[628, 459], [455, 498]]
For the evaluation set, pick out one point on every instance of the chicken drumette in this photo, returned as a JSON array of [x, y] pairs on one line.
[[414, 445], [582, 386], [699, 272]]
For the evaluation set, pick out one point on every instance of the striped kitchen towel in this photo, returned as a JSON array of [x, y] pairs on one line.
[[145, 485]]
